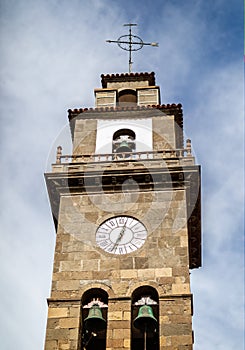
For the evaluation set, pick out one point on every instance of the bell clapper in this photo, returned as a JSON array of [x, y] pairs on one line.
[[145, 336], [92, 335]]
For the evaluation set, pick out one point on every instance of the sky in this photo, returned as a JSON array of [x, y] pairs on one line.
[[52, 55]]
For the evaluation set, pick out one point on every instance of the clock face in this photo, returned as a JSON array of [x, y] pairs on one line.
[[121, 235]]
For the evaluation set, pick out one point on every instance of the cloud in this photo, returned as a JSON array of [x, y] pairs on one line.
[[53, 53], [218, 140]]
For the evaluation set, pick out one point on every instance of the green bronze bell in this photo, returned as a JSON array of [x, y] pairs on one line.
[[145, 320], [123, 147], [95, 321]]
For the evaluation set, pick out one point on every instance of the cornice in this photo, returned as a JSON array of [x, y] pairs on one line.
[[112, 78]]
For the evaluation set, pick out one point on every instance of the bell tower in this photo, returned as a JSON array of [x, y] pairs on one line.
[[126, 207]]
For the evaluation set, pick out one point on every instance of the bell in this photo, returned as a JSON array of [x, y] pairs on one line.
[[145, 320], [95, 322], [123, 147]]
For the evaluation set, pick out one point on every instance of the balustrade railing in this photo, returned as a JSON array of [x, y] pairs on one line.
[[124, 156]]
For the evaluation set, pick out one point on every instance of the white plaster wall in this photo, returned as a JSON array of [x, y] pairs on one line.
[[106, 129]]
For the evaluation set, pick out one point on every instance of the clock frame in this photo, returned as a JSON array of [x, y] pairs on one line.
[[120, 235]]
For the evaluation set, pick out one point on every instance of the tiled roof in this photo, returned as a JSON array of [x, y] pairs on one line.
[[111, 78], [74, 112]]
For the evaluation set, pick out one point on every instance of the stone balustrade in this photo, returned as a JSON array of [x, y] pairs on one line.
[[168, 157]]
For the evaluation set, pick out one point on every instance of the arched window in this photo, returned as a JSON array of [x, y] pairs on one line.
[[93, 319], [127, 97], [145, 319], [123, 141]]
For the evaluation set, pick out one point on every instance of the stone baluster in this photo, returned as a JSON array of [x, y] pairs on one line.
[[188, 148], [58, 155]]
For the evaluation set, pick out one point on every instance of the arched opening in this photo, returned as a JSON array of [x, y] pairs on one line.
[[145, 319], [93, 319], [123, 141], [128, 132], [127, 97]]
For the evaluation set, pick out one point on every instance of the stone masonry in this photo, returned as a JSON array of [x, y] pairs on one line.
[[162, 263]]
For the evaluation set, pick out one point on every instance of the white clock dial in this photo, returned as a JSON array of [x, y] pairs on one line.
[[121, 235]]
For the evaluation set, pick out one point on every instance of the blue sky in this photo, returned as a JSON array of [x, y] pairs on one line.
[[52, 55]]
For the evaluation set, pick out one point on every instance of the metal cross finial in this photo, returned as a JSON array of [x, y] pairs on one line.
[[130, 43]]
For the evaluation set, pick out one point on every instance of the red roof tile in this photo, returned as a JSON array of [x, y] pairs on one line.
[[73, 112], [111, 78]]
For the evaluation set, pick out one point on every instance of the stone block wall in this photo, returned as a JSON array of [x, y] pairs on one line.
[[84, 137], [105, 98], [161, 263], [63, 325], [163, 132], [148, 96], [118, 329], [176, 322]]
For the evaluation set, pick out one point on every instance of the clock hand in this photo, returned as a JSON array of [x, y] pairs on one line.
[[119, 237], [122, 232]]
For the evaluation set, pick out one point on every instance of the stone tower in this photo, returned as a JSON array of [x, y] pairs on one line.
[[126, 206]]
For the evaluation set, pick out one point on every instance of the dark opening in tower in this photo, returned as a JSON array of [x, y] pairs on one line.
[[127, 97], [145, 319], [93, 320]]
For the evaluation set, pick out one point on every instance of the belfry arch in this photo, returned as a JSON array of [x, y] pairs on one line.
[[127, 97]]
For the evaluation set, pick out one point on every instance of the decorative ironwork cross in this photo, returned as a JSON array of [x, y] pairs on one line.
[[130, 43]]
